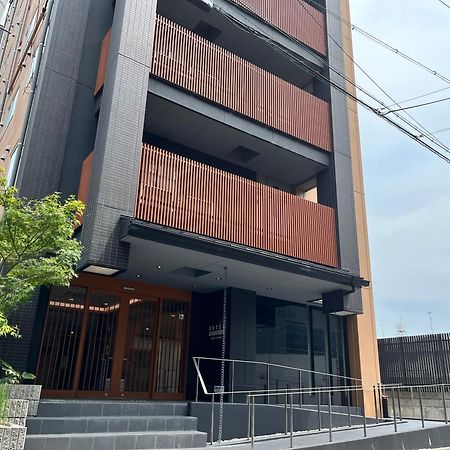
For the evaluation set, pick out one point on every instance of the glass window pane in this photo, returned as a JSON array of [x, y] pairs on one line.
[[99, 345], [61, 338]]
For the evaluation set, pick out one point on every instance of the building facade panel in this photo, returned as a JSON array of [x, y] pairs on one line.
[[180, 56], [295, 17], [191, 196], [265, 221]]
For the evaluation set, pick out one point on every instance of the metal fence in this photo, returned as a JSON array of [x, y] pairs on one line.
[[415, 360]]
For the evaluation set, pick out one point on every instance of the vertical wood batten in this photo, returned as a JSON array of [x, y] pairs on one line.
[[221, 77], [295, 17], [187, 195]]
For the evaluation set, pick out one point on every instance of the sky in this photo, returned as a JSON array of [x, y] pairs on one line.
[[407, 187]]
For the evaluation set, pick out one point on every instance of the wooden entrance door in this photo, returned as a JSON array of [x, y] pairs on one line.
[[121, 345]]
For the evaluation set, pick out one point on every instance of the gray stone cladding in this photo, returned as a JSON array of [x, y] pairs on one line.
[[119, 136]]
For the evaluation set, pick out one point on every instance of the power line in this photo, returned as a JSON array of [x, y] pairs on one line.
[[427, 134], [317, 74], [420, 96], [445, 4], [382, 43], [443, 130], [420, 105]]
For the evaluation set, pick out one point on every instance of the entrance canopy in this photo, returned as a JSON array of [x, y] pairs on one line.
[[165, 256]]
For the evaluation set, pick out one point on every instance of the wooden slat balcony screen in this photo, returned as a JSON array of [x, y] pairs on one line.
[[183, 194], [295, 17], [195, 64]]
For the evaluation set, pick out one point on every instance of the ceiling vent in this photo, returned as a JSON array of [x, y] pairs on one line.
[[242, 155], [190, 272], [207, 31]]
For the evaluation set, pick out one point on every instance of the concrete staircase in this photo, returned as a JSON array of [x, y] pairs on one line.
[[112, 425]]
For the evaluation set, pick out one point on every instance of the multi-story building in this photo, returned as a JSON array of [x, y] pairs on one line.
[[215, 163]]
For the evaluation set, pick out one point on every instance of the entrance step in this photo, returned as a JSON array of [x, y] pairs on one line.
[[117, 441], [112, 425], [103, 424], [80, 408]]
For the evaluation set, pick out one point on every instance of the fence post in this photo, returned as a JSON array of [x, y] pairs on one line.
[[212, 418], [319, 416], [292, 422], [268, 384], [376, 403], [421, 408], [393, 410], [286, 413], [330, 416], [253, 421], [232, 382], [363, 411], [198, 381], [400, 416], [300, 397], [444, 405], [249, 419], [349, 413], [380, 398]]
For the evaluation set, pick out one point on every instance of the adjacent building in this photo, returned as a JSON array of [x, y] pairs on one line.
[[216, 164]]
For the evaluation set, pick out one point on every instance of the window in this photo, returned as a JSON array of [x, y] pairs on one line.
[[11, 109], [12, 163], [5, 14], [30, 29], [32, 66]]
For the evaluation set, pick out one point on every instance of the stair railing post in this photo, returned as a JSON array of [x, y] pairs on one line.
[[292, 422], [330, 419], [212, 418], [232, 382]]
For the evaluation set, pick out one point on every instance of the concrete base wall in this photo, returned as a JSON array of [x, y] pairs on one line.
[[268, 419], [432, 402]]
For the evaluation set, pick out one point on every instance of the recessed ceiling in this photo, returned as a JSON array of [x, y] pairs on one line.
[[185, 127], [146, 255]]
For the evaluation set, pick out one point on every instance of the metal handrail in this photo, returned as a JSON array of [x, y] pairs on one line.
[[328, 376], [289, 393]]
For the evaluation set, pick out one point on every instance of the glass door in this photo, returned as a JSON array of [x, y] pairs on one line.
[[171, 350], [99, 343], [139, 351]]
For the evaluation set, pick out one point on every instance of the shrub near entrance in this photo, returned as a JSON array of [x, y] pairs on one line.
[[37, 248]]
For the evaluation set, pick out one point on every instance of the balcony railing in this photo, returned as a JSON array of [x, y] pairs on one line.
[[187, 195], [195, 64], [295, 17]]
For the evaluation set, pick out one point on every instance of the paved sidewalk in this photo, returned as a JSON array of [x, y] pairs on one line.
[[339, 436]]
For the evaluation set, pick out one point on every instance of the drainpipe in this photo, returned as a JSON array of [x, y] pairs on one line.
[[20, 143]]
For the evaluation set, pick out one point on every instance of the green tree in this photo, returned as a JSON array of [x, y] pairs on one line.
[[37, 247]]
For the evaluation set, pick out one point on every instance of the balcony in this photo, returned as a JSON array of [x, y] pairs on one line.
[[188, 61], [295, 17], [179, 193]]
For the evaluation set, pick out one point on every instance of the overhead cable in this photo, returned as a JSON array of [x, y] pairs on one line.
[[419, 106], [428, 94], [383, 43], [425, 133], [445, 4], [317, 74]]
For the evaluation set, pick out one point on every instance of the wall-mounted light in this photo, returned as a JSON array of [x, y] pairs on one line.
[[100, 270]]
